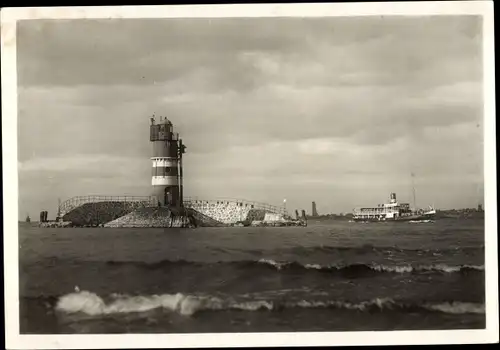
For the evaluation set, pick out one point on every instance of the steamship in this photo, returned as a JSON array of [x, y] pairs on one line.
[[393, 211]]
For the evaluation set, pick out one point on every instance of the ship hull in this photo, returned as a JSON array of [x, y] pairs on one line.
[[419, 217]]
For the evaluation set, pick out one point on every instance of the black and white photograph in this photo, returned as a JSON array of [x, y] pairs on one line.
[[264, 172]]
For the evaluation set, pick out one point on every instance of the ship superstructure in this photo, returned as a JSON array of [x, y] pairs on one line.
[[392, 211]]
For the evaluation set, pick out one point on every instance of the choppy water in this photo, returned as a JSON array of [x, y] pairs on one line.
[[329, 276]]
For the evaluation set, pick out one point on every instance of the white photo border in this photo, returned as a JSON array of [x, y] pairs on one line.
[[15, 340]]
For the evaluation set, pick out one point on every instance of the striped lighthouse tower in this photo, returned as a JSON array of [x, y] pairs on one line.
[[167, 163]]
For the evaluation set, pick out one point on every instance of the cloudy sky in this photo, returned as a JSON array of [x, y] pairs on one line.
[[336, 110]]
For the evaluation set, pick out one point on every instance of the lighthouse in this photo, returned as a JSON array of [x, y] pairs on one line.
[[167, 176]]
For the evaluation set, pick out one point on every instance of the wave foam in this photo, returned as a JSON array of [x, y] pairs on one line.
[[458, 308], [187, 305], [374, 267], [293, 265], [91, 304]]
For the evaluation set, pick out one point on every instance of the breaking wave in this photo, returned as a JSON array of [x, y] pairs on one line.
[[352, 269], [91, 304], [370, 248], [384, 249]]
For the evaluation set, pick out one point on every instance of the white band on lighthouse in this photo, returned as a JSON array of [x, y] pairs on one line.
[[164, 162], [164, 181]]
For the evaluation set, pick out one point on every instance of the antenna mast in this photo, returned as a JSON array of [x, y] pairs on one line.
[[413, 187]]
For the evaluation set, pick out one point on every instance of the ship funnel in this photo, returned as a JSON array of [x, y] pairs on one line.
[[393, 197], [296, 214]]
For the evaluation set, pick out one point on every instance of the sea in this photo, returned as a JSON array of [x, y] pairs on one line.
[[332, 275]]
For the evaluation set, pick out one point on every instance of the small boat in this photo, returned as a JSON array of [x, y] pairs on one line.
[[28, 219], [393, 211]]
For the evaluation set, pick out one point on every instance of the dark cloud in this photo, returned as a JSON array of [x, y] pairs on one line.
[[143, 51], [136, 51]]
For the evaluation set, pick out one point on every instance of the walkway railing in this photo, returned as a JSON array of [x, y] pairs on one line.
[[78, 201], [188, 201]]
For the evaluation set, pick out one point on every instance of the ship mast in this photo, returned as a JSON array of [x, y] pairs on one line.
[[413, 187]]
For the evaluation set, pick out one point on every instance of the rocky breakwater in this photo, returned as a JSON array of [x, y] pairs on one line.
[[95, 214], [277, 220], [154, 217], [203, 220]]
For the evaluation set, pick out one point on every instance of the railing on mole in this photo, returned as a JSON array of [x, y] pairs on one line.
[[78, 201], [240, 202]]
